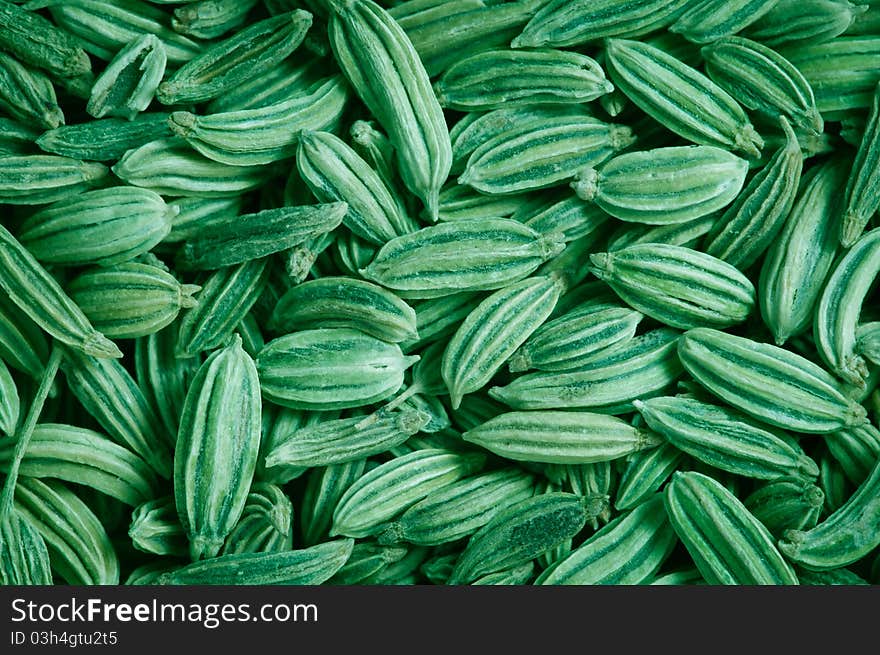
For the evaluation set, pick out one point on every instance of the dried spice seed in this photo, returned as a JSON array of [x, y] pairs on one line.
[[410, 292]]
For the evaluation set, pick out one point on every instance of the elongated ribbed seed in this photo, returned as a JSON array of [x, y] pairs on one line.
[[217, 447], [459, 509], [543, 157], [80, 551], [496, 78], [763, 81], [24, 557], [113, 399], [252, 236], [194, 214], [521, 532], [39, 179], [384, 68], [392, 487], [561, 23], [209, 19], [839, 576], [330, 368], [751, 223], [574, 218], [629, 550], [286, 80], [225, 299], [678, 286], [28, 95], [344, 440], [855, 450], [446, 31], [646, 471], [726, 439], [85, 457], [839, 307], [106, 226], [560, 437], [796, 264], [769, 383], [573, 339], [861, 199], [302, 566], [106, 139], [334, 172], [324, 487], [350, 253], [36, 41], [786, 505], [163, 377], [664, 185], [103, 27], [265, 134], [477, 128], [689, 233], [801, 22], [439, 317], [345, 302], [727, 543], [461, 256], [842, 538], [23, 553], [493, 331], [228, 62], [632, 369], [36, 293], [680, 97], [710, 20], [155, 528], [367, 559], [10, 403], [842, 72], [265, 525], [132, 299], [277, 423], [170, 166]]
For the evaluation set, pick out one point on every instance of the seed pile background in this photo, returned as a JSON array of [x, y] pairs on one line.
[[439, 292]]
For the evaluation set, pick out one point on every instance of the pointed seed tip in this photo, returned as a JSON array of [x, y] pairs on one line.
[[97, 345]]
